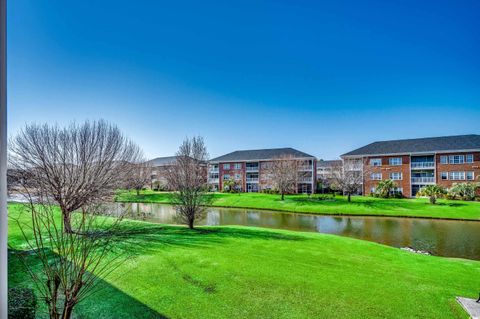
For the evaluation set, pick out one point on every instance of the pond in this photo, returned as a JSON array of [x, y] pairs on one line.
[[449, 238]]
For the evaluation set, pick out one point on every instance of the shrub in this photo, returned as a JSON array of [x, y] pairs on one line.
[[22, 303], [464, 191], [432, 192], [231, 186], [386, 189]]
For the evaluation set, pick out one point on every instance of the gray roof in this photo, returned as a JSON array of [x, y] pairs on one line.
[[162, 161], [420, 145], [263, 154], [328, 163]]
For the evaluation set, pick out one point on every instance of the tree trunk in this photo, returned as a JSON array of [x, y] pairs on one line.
[[138, 192], [349, 197], [190, 223], [432, 199], [67, 312], [283, 196], [67, 225]]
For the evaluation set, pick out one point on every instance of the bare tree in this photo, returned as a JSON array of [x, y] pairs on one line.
[[77, 165], [283, 171], [141, 175], [347, 180], [70, 262], [187, 177]]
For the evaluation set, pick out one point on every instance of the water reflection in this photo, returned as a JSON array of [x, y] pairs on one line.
[[440, 237]]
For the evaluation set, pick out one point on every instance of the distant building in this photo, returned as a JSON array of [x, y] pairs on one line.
[[325, 173], [414, 163], [160, 166], [249, 169]]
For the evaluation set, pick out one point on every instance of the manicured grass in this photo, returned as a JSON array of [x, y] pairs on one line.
[[360, 205], [237, 272]]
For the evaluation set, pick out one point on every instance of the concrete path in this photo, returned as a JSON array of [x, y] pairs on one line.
[[471, 306]]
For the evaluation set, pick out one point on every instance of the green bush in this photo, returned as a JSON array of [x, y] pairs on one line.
[[432, 192], [22, 303], [464, 191]]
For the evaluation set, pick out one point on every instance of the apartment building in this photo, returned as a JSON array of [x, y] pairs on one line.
[[249, 168], [160, 165], [325, 173], [415, 163]]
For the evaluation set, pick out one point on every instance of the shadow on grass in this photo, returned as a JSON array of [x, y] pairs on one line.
[[141, 238], [106, 302]]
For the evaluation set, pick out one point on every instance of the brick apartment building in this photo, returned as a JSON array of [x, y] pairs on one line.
[[249, 169], [414, 163], [325, 173], [160, 165]]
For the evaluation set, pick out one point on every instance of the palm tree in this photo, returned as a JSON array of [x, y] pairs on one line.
[[385, 188], [432, 192]]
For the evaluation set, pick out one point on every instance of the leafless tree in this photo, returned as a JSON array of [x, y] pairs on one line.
[[141, 175], [70, 262], [283, 171], [187, 177], [76, 165], [347, 180]]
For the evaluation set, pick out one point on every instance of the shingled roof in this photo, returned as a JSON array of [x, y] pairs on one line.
[[161, 161], [263, 154], [419, 145]]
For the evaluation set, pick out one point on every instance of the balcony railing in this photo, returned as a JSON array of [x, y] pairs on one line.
[[213, 170], [423, 180], [305, 180], [252, 179], [305, 167], [213, 180], [423, 164], [252, 169]]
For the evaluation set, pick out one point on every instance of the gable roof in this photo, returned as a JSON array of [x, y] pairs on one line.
[[161, 161], [263, 154], [420, 145], [329, 163]]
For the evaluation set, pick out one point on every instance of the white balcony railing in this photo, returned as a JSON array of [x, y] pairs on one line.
[[252, 179], [252, 169], [305, 180], [213, 170], [213, 180], [305, 167], [423, 164], [423, 180]]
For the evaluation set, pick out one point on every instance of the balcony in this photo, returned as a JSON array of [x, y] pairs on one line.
[[423, 180], [420, 165], [251, 168], [305, 167], [252, 179], [305, 180], [213, 170], [213, 180]]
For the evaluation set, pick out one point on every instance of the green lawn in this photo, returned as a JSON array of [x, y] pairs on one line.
[[360, 205], [237, 272]]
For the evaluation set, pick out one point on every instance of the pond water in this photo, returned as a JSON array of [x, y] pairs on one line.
[[449, 238]]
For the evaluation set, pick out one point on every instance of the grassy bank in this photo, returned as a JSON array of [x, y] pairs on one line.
[[339, 205], [235, 272]]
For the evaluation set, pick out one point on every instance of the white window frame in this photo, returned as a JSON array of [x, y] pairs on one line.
[[238, 177], [469, 158], [237, 166], [375, 160], [395, 161], [443, 159], [452, 176], [372, 190], [374, 178], [226, 166], [472, 173], [442, 174], [400, 175], [456, 159], [226, 177]]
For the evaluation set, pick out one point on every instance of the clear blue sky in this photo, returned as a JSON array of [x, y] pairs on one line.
[[322, 76]]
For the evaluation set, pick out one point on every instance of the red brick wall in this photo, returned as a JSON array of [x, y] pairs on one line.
[[232, 173], [385, 170], [473, 167]]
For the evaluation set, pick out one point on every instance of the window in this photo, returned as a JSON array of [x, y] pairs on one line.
[[376, 162], [396, 176], [226, 177], [457, 176], [395, 161], [444, 176], [469, 158], [456, 159], [237, 166], [397, 191], [443, 159], [213, 175], [372, 190], [226, 166], [470, 176], [238, 176], [376, 176]]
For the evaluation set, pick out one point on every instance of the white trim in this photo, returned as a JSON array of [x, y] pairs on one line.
[[412, 153], [261, 160]]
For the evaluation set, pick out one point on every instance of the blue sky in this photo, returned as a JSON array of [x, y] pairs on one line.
[[322, 76]]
